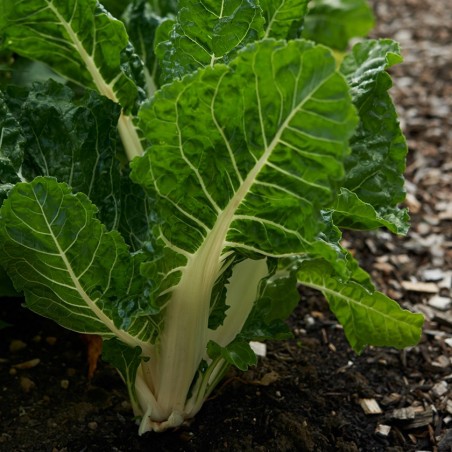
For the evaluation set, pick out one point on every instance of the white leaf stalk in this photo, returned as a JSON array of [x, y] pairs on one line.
[[165, 393]]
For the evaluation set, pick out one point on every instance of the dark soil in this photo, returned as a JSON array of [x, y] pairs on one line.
[[309, 393]]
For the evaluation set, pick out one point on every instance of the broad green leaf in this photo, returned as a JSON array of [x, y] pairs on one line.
[[78, 39], [245, 156], [374, 170], [68, 266], [335, 22], [282, 16], [208, 32], [368, 318]]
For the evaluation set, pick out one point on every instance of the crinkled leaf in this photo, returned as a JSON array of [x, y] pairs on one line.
[[282, 16], [78, 39], [374, 170], [208, 32], [351, 212], [335, 22], [68, 266], [142, 23], [368, 318], [73, 139], [244, 157], [12, 144]]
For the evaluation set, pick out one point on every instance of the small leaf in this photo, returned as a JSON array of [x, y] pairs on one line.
[[238, 353], [208, 32]]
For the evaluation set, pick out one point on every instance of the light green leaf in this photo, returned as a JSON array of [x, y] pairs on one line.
[[208, 32], [335, 22], [77, 38], [351, 212], [68, 266], [245, 157], [368, 318], [282, 16], [377, 162]]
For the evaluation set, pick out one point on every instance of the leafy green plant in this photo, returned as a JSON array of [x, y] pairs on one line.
[[249, 149]]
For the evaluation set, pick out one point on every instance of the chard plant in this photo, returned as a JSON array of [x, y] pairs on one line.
[[190, 164]]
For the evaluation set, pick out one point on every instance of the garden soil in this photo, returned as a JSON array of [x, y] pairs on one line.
[[311, 393]]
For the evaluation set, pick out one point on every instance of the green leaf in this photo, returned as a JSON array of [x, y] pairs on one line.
[[375, 167], [78, 39], [282, 16], [12, 144], [350, 212], [208, 32], [68, 266], [335, 22], [126, 360], [74, 139], [6, 285], [368, 318], [237, 353], [245, 157], [142, 23]]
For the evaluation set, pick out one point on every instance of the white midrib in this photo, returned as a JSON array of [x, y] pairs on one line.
[[186, 317], [127, 130]]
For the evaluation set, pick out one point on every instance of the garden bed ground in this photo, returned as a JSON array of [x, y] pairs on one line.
[[310, 393]]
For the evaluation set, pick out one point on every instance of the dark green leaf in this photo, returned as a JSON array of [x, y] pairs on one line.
[[78, 39], [335, 22], [374, 170], [282, 16], [208, 32]]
